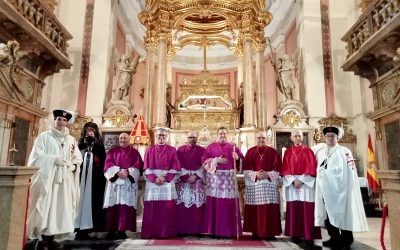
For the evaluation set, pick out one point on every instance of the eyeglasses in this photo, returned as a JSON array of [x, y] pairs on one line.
[[192, 137], [162, 135]]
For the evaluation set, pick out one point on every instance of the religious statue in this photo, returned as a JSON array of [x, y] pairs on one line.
[[285, 67], [126, 69]]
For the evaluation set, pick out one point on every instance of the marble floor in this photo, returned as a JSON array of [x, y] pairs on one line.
[[363, 241]]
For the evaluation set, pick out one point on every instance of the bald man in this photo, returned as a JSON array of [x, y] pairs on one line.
[[298, 171], [122, 170], [190, 187], [262, 166]]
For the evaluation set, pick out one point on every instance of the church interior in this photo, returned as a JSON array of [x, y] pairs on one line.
[[197, 65]]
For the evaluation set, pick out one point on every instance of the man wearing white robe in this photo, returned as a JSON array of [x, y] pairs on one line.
[[54, 193], [338, 203]]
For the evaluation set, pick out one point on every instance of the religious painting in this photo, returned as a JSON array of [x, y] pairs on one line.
[[283, 141], [111, 139]]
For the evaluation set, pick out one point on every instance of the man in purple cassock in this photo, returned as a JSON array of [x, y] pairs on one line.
[[161, 166], [222, 212], [190, 188], [122, 170]]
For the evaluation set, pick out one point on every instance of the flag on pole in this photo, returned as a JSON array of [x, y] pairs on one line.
[[372, 175]]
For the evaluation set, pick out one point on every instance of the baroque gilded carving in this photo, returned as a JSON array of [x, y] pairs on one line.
[[214, 19], [204, 101], [76, 127], [291, 119], [119, 119], [334, 120]]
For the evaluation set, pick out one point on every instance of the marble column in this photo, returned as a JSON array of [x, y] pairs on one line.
[[248, 85], [148, 113], [169, 67], [160, 108], [14, 185], [260, 81]]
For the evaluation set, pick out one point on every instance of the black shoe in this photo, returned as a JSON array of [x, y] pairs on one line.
[[295, 240], [330, 243], [111, 236], [271, 238], [121, 235], [309, 243]]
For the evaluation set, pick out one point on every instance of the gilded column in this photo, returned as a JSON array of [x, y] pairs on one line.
[[248, 85], [148, 108], [260, 92], [161, 84]]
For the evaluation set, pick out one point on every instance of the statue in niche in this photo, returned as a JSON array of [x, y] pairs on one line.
[[126, 69], [285, 68]]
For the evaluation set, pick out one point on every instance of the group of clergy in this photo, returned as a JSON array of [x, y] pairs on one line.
[[191, 190]]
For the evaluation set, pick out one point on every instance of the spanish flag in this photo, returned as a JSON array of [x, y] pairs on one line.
[[372, 175]]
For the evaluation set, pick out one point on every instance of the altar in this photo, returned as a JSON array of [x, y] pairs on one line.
[[204, 106]]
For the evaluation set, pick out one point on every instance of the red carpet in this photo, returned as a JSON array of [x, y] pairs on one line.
[[245, 241]]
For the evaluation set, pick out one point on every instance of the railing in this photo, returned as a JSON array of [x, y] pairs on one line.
[[39, 15], [369, 23]]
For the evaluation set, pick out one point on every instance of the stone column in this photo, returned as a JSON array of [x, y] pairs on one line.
[[148, 113], [14, 185], [248, 85], [260, 81], [160, 108], [390, 180]]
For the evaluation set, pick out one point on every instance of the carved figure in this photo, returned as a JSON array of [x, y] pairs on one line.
[[126, 69], [286, 67], [8, 53]]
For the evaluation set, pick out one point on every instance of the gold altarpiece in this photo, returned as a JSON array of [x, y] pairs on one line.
[[204, 101]]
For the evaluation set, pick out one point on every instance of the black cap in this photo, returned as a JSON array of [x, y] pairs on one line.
[[61, 113], [334, 130]]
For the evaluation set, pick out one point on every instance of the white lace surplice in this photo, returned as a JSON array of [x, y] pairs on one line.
[[154, 192], [261, 192], [122, 191], [191, 193]]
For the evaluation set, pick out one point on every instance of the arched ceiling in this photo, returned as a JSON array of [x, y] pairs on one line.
[[219, 56]]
